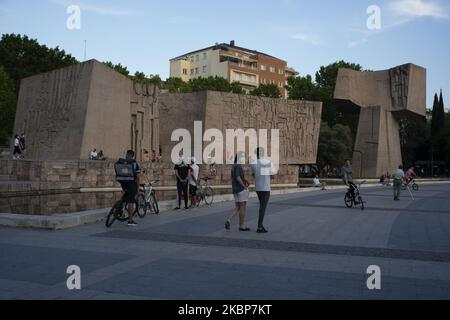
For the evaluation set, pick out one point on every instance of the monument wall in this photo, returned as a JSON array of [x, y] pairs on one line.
[[384, 98], [67, 112], [298, 121]]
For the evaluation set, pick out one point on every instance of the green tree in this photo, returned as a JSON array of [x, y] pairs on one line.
[[335, 145], [236, 88], [267, 90], [142, 78], [302, 88], [176, 85], [7, 106], [23, 57], [119, 68], [415, 140]]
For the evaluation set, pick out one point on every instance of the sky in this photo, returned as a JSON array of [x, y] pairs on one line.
[[144, 34]]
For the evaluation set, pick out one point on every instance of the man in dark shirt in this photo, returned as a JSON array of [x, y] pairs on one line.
[[182, 173]]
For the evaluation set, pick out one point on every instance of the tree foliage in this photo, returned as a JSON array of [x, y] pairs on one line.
[[23, 57], [7, 106], [266, 90], [335, 145]]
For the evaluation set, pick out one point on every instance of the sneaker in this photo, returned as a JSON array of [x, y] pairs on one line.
[[244, 229], [227, 225], [132, 224]]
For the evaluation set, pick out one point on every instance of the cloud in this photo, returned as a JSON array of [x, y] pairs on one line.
[[106, 10], [411, 9], [312, 39]]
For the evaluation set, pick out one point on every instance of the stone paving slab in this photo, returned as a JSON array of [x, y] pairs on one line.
[[311, 252]]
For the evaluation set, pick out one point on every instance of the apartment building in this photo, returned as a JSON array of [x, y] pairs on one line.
[[250, 68]]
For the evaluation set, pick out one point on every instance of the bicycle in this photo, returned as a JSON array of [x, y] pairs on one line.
[[356, 200], [119, 212], [205, 192], [146, 199], [412, 183]]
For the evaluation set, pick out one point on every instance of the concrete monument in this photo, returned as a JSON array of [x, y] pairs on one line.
[[67, 112], [384, 98], [298, 121]]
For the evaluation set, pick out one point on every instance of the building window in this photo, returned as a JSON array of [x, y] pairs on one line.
[[197, 58], [280, 84], [192, 71], [280, 72], [192, 59], [263, 80], [196, 71], [205, 56], [185, 71], [237, 77], [272, 69], [204, 69], [263, 68]]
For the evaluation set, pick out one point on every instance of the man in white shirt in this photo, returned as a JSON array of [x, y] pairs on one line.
[[17, 152], [193, 180], [399, 177], [94, 154], [262, 170]]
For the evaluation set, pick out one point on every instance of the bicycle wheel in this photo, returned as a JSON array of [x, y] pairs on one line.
[[154, 204], [361, 202], [110, 218], [121, 213], [415, 187], [348, 200], [208, 196], [141, 206], [404, 187]]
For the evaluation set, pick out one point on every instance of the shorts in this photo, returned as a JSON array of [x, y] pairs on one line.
[[131, 191], [193, 190], [241, 196]]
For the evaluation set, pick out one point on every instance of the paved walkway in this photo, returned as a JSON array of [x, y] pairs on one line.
[[316, 249]]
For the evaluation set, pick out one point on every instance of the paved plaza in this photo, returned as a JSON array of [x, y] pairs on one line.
[[316, 249]]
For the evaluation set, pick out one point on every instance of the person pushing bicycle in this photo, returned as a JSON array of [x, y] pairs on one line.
[[128, 174]]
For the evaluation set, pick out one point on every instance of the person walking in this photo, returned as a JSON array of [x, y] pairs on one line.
[[240, 192], [399, 177], [194, 172], [17, 153], [262, 170]]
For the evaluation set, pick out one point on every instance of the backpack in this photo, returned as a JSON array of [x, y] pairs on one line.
[[125, 170]]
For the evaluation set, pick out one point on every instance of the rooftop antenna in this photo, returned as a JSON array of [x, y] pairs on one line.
[[85, 45]]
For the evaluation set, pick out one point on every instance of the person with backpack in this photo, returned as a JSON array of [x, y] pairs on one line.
[[128, 175]]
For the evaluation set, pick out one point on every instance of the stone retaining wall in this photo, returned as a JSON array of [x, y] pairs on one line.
[[44, 176]]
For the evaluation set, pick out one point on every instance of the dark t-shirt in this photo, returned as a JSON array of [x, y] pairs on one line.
[[183, 171], [237, 171]]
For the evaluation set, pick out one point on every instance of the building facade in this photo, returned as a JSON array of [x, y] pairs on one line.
[[249, 68]]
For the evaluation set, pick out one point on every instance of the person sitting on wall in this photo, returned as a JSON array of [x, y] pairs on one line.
[[93, 155], [317, 183], [146, 156], [101, 156]]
